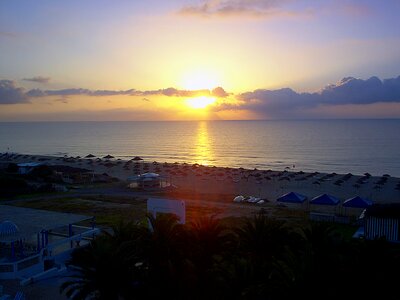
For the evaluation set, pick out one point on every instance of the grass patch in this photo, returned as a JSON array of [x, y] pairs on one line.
[[104, 213]]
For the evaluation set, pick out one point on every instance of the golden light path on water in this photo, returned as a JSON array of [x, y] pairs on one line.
[[203, 151]]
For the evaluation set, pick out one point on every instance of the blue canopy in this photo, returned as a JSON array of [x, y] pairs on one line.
[[357, 202], [8, 228], [292, 197], [325, 199]]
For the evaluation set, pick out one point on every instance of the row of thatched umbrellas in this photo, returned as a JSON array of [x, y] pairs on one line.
[[230, 173], [234, 172], [282, 175], [108, 156]]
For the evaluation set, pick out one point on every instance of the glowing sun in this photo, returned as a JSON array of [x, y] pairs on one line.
[[200, 102], [200, 79]]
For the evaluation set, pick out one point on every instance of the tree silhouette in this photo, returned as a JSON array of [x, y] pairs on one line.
[[108, 268]]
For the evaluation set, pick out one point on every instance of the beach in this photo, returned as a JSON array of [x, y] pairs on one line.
[[198, 182], [207, 190]]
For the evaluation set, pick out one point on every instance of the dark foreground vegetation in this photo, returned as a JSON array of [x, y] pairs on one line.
[[262, 258], [46, 179]]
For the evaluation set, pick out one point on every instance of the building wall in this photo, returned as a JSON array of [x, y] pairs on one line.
[[382, 227]]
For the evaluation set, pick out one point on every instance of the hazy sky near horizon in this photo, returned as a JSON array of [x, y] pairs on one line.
[[162, 60]]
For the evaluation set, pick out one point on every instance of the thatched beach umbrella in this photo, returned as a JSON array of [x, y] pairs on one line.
[[90, 156], [108, 156], [137, 158]]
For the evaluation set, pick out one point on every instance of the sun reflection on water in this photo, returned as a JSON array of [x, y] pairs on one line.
[[203, 151]]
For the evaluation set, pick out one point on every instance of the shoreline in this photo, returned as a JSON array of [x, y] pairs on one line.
[[276, 166], [266, 184]]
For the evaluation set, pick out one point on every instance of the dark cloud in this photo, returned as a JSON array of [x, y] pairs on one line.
[[237, 8], [36, 93], [357, 91], [38, 79], [280, 103], [111, 93], [285, 102], [173, 92], [169, 92], [7, 34], [67, 92], [10, 94], [78, 91], [219, 92]]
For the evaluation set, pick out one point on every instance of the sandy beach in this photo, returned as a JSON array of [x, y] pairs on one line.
[[266, 184]]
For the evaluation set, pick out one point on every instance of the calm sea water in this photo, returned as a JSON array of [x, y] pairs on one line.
[[339, 146]]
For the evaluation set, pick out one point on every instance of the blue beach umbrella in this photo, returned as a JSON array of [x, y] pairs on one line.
[[325, 199], [292, 197], [8, 228], [357, 202]]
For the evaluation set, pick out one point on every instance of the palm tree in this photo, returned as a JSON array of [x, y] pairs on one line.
[[208, 239], [110, 267], [209, 244], [263, 237], [322, 259], [166, 257], [259, 270]]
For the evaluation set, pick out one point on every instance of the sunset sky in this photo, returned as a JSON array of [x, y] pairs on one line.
[[194, 60]]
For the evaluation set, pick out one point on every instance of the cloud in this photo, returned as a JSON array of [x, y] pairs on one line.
[[173, 92], [286, 103], [238, 8], [10, 94], [357, 91], [77, 92], [349, 92], [7, 34], [110, 92], [219, 92], [36, 93], [169, 92], [38, 79]]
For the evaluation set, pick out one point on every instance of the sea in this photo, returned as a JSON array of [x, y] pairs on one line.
[[341, 146]]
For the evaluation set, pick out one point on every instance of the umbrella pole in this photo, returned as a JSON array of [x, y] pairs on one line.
[[12, 250]]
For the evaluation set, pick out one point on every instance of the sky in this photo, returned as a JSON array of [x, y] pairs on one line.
[[98, 60]]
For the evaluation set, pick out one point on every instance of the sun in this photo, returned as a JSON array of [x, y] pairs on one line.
[[200, 102], [200, 80]]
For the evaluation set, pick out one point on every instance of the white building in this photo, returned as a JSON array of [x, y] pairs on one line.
[[34, 243], [148, 181]]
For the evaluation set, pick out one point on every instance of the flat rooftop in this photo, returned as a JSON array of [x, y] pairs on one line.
[[31, 221]]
